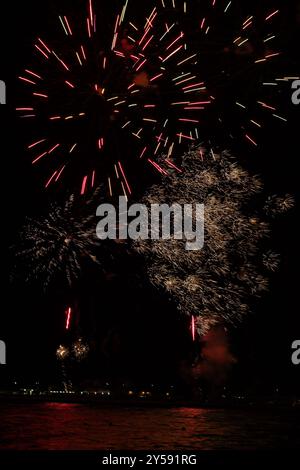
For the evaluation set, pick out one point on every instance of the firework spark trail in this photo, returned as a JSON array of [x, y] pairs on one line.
[[135, 90], [193, 328], [68, 319]]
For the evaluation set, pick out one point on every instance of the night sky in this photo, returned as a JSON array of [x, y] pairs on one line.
[[139, 336]]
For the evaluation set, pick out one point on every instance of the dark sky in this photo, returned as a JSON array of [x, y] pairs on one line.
[[134, 316]]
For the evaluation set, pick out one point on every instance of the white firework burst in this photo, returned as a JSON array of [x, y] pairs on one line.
[[56, 245], [215, 284]]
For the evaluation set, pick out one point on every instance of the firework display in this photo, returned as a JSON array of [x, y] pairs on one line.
[[62, 353], [218, 282], [279, 205], [108, 96], [113, 90], [101, 90], [150, 211], [80, 349], [57, 245], [241, 51], [271, 261]]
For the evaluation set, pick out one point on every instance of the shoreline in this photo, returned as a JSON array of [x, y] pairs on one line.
[[147, 403]]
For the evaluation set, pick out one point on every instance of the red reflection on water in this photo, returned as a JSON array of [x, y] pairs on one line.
[[60, 406]]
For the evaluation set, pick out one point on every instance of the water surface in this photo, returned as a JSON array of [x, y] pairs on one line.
[[65, 426]]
